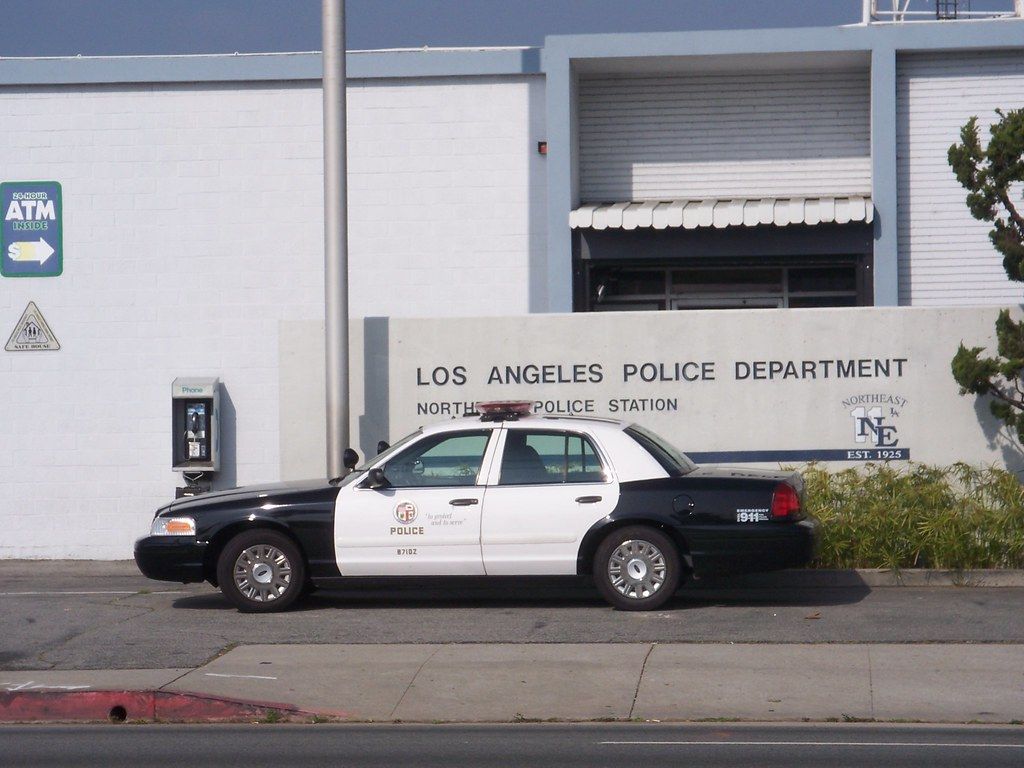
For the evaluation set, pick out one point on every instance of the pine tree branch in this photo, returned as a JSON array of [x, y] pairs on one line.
[[997, 393], [1004, 197]]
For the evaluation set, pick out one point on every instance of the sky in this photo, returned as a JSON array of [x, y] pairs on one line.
[[120, 27]]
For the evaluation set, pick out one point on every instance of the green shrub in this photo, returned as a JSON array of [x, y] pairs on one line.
[[918, 516]]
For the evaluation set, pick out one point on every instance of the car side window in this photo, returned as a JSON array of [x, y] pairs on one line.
[[532, 458], [440, 460]]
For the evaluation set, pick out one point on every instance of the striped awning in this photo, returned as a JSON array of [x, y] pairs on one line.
[[692, 214]]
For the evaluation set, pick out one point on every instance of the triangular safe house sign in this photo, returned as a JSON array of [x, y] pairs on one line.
[[32, 334]]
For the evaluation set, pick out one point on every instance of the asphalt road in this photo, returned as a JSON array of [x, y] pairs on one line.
[[508, 746], [98, 620]]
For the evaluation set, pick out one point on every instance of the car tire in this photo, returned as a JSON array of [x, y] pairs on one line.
[[637, 568], [261, 571]]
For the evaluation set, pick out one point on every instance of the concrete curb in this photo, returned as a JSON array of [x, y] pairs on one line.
[[865, 577], [145, 706]]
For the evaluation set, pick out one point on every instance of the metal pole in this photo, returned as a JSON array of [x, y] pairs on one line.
[[335, 235]]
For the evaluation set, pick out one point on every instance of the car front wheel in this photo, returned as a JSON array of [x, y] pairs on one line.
[[261, 571], [637, 568]]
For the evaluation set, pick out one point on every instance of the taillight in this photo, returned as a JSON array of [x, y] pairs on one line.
[[785, 501]]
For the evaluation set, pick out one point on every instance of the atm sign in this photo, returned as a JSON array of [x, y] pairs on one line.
[[32, 230]]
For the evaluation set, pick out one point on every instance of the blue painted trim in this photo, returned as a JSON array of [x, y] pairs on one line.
[[960, 35], [884, 176], [841, 454], [510, 61], [915, 36], [258, 67], [560, 95]]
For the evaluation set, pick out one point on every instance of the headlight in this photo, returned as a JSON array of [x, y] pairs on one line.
[[173, 526]]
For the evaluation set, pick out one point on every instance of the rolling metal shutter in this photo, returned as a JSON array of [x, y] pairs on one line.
[[945, 257], [729, 135]]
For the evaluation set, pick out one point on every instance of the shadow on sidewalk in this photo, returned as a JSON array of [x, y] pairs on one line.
[[546, 592]]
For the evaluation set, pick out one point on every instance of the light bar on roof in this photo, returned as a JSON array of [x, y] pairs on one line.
[[505, 407]]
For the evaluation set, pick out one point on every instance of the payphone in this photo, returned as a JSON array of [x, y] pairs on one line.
[[195, 424]]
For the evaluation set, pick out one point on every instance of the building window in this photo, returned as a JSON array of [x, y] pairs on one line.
[[737, 285]]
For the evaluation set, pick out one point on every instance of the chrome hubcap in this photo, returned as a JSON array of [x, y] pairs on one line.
[[637, 569], [262, 573]]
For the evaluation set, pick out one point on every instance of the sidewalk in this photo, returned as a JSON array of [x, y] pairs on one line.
[[505, 683]]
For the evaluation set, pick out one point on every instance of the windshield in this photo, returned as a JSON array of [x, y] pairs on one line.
[[672, 460]]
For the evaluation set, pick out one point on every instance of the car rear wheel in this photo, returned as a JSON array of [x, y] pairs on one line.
[[261, 571], [637, 568]]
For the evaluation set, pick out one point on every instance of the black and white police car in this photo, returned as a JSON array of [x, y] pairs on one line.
[[501, 494]]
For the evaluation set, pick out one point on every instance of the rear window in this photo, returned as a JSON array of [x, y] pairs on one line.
[[549, 457], [671, 459]]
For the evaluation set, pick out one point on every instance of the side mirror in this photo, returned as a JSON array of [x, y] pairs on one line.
[[382, 446], [376, 479], [350, 459]]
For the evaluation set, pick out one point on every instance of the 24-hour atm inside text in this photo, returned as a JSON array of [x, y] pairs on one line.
[[195, 424]]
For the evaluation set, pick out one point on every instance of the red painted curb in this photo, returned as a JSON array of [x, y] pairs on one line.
[[149, 706], [190, 707], [78, 706]]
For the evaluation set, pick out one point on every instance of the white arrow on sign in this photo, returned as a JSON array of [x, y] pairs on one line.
[[39, 251]]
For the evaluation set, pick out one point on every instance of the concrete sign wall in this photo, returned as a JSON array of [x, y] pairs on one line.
[[752, 386]]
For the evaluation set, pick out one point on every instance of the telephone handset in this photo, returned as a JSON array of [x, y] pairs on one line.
[[196, 434]]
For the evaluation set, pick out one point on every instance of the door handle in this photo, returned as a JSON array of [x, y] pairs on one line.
[[587, 499], [463, 502]]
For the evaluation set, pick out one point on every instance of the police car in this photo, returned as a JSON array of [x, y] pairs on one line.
[[503, 493]]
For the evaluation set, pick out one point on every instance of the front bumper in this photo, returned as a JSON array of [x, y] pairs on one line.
[[171, 558]]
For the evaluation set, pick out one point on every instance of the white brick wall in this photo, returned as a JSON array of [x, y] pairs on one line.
[[446, 195], [178, 261], [192, 226]]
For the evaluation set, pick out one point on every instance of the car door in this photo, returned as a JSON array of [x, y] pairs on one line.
[[544, 493], [426, 521]]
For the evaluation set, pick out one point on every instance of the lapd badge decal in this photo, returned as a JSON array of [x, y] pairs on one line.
[[405, 512]]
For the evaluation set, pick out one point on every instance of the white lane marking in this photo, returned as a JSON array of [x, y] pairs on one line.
[[957, 745], [32, 685], [96, 592], [246, 677]]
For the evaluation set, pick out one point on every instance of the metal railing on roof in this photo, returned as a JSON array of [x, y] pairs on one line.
[[898, 11]]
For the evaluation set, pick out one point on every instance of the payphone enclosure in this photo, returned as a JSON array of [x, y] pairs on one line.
[[195, 424]]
